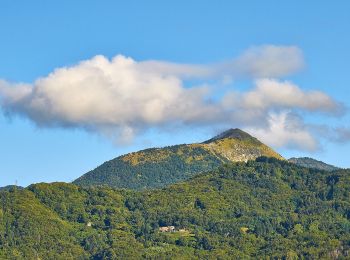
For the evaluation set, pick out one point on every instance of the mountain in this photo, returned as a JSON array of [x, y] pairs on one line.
[[266, 209], [312, 163], [159, 167], [10, 187]]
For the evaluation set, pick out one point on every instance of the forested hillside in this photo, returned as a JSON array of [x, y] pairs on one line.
[[159, 167], [10, 187], [258, 209], [312, 163]]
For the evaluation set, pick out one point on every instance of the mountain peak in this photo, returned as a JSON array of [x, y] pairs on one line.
[[233, 133]]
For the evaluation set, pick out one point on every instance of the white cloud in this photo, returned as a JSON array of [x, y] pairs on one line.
[[286, 130], [269, 61], [256, 62], [253, 106], [273, 93], [342, 134], [338, 134], [121, 97], [98, 93], [14, 92]]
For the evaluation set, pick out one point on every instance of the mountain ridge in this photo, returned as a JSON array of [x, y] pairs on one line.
[[11, 187], [312, 163]]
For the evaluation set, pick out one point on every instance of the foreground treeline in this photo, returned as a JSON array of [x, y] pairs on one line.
[[262, 209]]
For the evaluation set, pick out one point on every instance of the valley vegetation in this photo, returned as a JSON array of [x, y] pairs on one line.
[[267, 208]]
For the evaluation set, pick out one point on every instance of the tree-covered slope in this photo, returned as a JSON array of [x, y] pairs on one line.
[[30, 230], [10, 187], [159, 167], [268, 208], [312, 163]]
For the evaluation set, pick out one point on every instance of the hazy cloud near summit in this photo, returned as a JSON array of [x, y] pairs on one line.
[[288, 130], [121, 97], [342, 134]]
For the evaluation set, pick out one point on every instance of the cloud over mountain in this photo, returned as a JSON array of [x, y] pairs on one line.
[[123, 96], [288, 130]]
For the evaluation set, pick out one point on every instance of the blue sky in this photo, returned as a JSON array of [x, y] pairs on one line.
[[37, 37]]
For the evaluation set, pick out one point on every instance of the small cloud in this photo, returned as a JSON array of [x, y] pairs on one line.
[[269, 61], [271, 93], [286, 130], [342, 135]]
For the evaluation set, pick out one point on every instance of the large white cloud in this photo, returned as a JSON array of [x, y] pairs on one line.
[[99, 93], [121, 96]]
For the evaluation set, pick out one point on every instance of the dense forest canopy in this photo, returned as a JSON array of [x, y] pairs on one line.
[[262, 208]]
